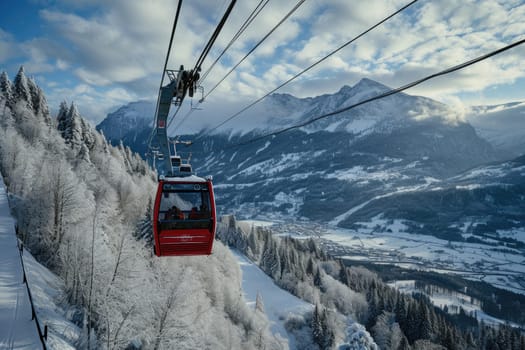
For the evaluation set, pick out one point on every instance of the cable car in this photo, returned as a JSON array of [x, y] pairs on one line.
[[184, 218]]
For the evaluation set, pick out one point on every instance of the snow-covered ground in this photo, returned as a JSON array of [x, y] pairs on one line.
[[383, 241], [278, 303], [17, 329], [387, 242], [452, 301]]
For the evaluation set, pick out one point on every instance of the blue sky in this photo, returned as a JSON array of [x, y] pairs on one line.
[[103, 54]]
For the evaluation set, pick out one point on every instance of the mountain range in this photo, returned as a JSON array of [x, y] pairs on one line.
[[401, 157]]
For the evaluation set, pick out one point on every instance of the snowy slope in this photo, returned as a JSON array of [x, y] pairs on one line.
[[278, 303], [17, 329]]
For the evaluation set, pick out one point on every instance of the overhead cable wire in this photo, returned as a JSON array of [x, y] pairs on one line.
[[383, 95], [243, 27], [186, 116], [172, 118], [214, 36], [299, 3], [241, 30], [204, 53], [244, 109], [165, 65], [257, 45]]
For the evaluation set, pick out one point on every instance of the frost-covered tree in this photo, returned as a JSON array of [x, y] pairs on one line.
[[21, 89], [39, 102], [6, 89], [61, 119], [318, 281], [270, 262], [322, 328], [259, 305], [66, 199], [70, 125], [387, 333], [144, 228], [343, 276], [358, 338], [317, 326], [6, 117]]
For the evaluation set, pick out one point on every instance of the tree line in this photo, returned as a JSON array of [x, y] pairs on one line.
[[395, 320]]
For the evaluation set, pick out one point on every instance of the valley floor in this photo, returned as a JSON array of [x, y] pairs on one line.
[[387, 244], [503, 268], [382, 243]]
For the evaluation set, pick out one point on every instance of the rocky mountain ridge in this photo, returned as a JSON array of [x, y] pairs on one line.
[[389, 154]]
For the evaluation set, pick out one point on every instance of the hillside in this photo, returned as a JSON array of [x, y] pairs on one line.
[[19, 274], [81, 204]]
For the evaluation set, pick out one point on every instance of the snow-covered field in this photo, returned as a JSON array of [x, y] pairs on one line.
[[386, 242], [504, 269], [390, 244], [451, 301], [280, 306]]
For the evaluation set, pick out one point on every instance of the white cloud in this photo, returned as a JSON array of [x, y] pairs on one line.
[[93, 103], [118, 47], [7, 46], [61, 64]]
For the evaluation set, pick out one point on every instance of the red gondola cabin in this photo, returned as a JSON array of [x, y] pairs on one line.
[[184, 216]]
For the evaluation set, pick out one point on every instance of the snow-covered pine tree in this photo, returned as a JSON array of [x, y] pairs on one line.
[[426, 330], [270, 261], [39, 102], [358, 338], [88, 137], [386, 331], [259, 305], [61, 119], [317, 326], [144, 229], [73, 132], [310, 266], [6, 89], [83, 154], [22, 91], [322, 328], [6, 117], [343, 276], [318, 282]]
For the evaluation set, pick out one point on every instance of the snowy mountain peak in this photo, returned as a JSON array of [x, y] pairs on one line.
[[369, 84], [134, 111], [134, 116], [365, 87]]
